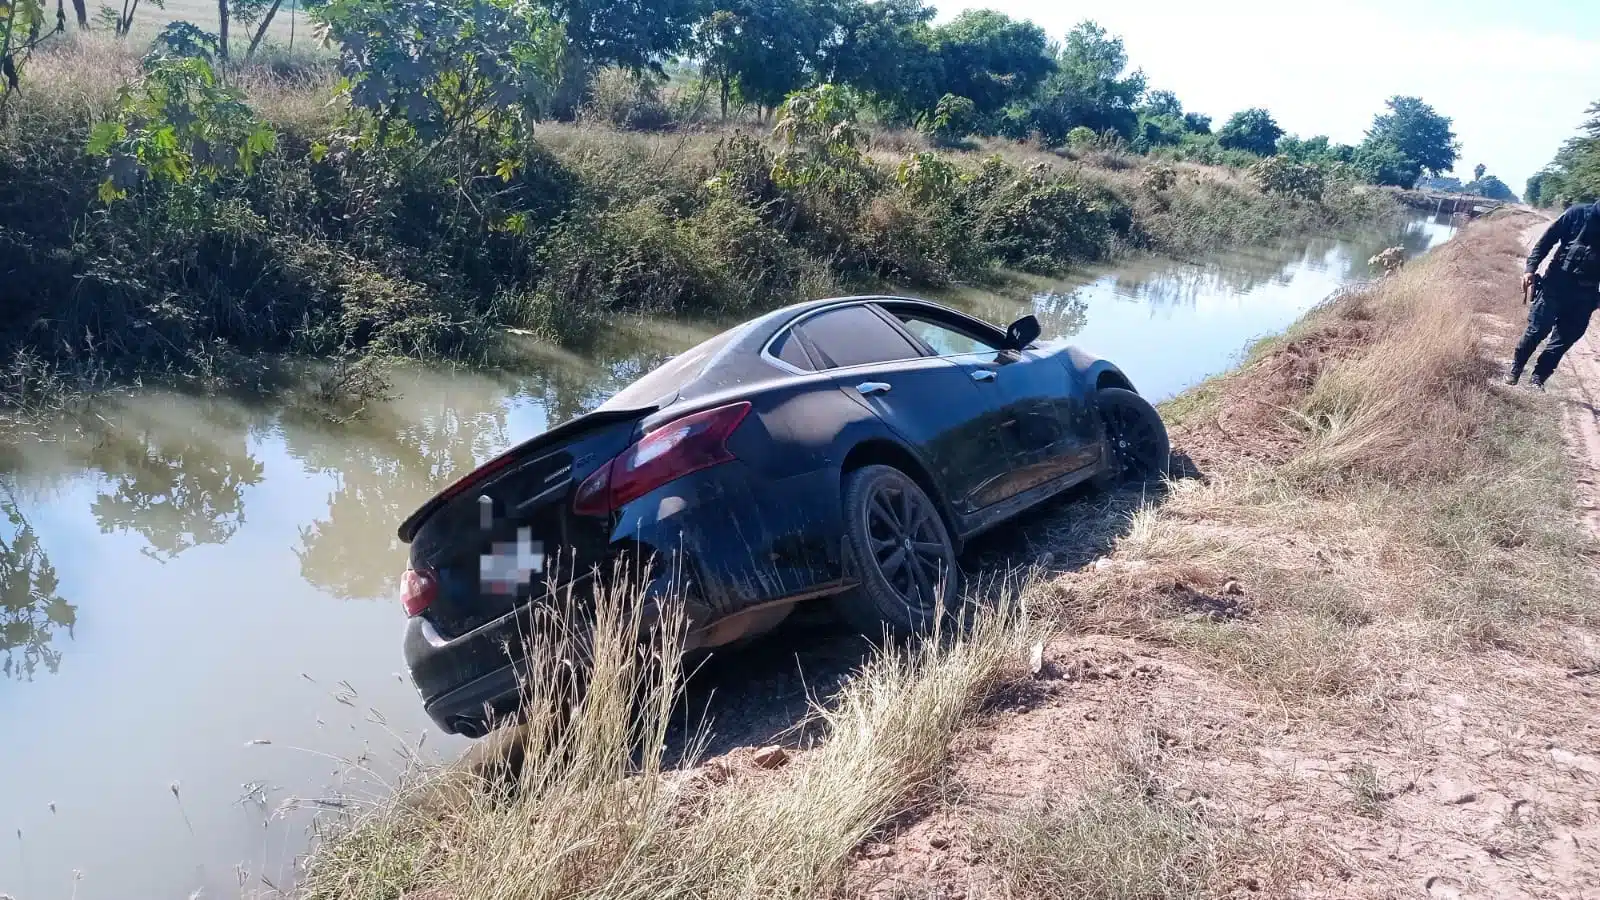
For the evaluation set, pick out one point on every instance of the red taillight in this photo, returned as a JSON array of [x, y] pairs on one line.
[[682, 446], [418, 587]]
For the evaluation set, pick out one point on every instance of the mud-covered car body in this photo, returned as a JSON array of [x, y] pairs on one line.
[[721, 473]]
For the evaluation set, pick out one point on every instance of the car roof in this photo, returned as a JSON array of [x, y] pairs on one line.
[[733, 358]]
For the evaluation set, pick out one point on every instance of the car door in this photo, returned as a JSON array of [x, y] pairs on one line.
[[930, 403], [1043, 422]]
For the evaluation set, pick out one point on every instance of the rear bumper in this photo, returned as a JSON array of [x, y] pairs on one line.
[[722, 539]]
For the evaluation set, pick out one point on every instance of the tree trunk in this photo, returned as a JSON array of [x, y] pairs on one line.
[[81, 8], [222, 29], [261, 29]]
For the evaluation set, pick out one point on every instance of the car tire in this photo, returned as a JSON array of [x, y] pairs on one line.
[[1136, 438], [903, 554]]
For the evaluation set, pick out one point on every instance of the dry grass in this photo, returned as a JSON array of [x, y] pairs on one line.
[[1374, 496], [594, 810]]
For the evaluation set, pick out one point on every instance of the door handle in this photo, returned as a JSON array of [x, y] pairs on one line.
[[983, 375], [868, 388]]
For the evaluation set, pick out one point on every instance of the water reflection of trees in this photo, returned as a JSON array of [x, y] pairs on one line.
[[31, 611], [176, 484], [383, 469]]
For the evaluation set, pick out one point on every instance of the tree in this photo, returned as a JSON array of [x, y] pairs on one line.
[[1162, 103], [989, 58], [1478, 170], [1197, 123], [1574, 175], [443, 68], [1533, 193], [883, 49], [1383, 163], [21, 30], [764, 49], [1417, 131], [1253, 130], [1489, 186], [637, 34], [1088, 87]]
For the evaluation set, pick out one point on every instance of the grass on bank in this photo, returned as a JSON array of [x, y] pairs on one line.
[[1381, 503], [593, 811], [404, 253]]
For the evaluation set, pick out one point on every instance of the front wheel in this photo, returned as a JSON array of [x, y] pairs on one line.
[[1136, 438], [903, 554]]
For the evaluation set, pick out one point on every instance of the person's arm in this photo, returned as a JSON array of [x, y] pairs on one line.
[[1558, 232]]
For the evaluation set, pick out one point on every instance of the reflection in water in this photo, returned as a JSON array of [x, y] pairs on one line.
[[177, 486], [379, 480], [30, 608], [1061, 313]]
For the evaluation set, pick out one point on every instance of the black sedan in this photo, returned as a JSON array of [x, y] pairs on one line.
[[841, 448]]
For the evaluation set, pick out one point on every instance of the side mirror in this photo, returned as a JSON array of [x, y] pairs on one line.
[[1022, 332]]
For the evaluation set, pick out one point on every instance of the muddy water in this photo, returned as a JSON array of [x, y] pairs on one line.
[[198, 637]]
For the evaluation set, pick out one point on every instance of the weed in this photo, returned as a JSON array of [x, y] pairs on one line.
[[1365, 789]]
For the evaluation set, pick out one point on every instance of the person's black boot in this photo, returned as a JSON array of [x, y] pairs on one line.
[[1537, 383], [1514, 376]]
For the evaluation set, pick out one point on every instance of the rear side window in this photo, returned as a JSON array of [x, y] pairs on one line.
[[789, 349], [854, 336]]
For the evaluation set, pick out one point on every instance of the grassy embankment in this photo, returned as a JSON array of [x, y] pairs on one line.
[[1379, 574], [432, 252]]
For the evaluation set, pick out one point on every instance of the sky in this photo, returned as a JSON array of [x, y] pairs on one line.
[[1514, 76]]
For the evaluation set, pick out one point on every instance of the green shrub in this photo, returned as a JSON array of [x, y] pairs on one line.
[[626, 99]]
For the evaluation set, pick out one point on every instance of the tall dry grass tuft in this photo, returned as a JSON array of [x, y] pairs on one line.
[[590, 808]]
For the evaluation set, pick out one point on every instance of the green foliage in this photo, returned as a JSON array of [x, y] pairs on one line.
[[1489, 186], [822, 141], [184, 39], [927, 176], [1383, 163], [952, 119], [763, 50], [990, 58], [1039, 223], [1162, 103], [1574, 175], [635, 35], [884, 49], [1082, 138], [1533, 194], [175, 123], [1283, 175], [1089, 87], [21, 30], [626, 99], [437, 68], [1417, 132], [1251, 130]]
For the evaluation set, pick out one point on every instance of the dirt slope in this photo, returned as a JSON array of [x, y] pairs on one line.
[[1412, 767]]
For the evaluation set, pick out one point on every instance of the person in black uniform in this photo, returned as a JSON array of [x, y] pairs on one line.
[[1566, 296]]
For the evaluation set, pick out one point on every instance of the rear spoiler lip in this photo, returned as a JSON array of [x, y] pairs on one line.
[[408, 528]]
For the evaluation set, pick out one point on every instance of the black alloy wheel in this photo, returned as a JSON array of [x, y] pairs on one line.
[[1135, 435], [904, 555]]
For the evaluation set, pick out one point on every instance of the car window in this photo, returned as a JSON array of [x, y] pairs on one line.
[[661, 384], [945, 340], [855, 335], [791, 351]]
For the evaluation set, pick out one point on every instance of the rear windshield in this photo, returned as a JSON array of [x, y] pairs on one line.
[[661, 385]]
